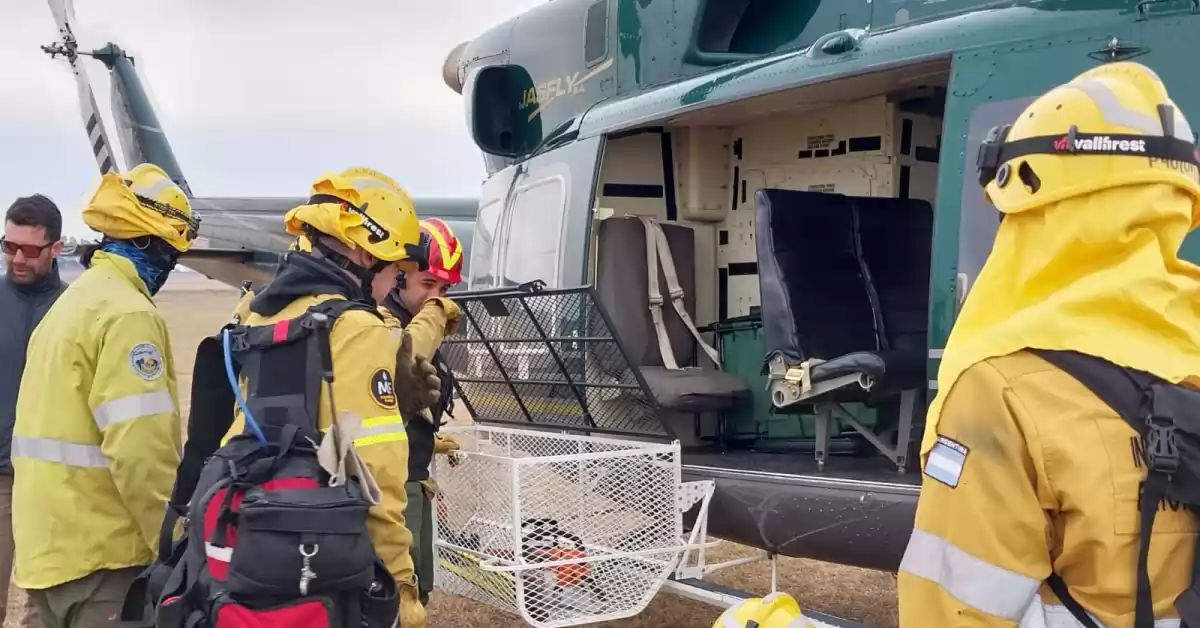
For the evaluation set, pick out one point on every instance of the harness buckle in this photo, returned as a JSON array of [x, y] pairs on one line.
[[1162, 450]]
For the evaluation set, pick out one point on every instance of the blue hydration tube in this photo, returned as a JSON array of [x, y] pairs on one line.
[[237, 392]]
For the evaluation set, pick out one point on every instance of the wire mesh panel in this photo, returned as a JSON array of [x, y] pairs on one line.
[[547, 359], [560, 530]]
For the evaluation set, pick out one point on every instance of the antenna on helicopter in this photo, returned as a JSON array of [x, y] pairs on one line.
[[64, 16]]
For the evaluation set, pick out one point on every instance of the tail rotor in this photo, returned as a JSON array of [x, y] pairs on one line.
[[64, 16]]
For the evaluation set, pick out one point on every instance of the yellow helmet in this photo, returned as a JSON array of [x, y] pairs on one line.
[[1112, 125], [777, 610], [143, 202], [361, 208]]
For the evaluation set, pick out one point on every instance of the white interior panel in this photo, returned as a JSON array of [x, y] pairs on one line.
[[702, 173], [633, 160], [743, 294], [858, 147], [866, 147]]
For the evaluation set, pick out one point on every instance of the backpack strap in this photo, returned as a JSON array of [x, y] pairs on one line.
[[212, 409], [1131, 394], [286, 362]]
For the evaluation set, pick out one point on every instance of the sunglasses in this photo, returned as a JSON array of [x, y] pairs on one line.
[[30, 251]]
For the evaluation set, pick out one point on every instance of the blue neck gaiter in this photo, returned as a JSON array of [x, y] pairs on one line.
[[153, 275]]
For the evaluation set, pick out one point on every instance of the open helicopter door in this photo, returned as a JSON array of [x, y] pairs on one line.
[[537, 514], [529, 351]]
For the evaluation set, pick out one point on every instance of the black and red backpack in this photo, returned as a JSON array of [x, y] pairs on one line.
[[267, 542]]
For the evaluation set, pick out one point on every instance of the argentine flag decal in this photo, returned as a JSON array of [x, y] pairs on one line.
[[946, 460]]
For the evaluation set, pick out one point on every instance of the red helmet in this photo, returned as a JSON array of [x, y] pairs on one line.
[[445, 253]]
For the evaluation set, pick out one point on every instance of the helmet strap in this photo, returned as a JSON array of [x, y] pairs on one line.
[[366, 276], [992, 162]]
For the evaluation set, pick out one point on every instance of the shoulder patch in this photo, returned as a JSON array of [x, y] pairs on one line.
[[383, 389], [946, 460], [146, 361]]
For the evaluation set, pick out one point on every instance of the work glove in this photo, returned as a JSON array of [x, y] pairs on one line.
[[412, 613], [444, 444], [430, 487], [418, 387]]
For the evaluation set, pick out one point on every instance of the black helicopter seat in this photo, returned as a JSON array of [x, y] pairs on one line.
[[844, 290], [667, 364]]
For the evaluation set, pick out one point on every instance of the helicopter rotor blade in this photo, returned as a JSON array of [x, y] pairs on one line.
[[64, 16]]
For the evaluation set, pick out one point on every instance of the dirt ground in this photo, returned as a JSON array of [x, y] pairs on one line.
[[195, 307]]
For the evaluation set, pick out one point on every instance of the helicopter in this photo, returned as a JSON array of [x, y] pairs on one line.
[[812, 167], [241, 239]]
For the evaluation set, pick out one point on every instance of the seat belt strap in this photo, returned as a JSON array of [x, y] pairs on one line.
[[656, 242], [655, 297]]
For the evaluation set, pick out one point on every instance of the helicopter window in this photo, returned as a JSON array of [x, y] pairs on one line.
[[979, 219], [482, 244], [761, 26], [595, 42], [533, 233]]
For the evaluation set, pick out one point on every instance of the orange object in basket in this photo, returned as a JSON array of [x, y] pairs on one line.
[[569, 575]]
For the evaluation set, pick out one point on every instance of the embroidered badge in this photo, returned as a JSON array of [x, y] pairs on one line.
[[146, 361], [946, 460], [383, 389]]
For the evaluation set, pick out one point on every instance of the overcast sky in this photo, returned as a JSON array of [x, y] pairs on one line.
[[256, 97]]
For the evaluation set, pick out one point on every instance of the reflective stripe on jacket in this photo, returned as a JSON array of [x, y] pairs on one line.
[[1032, 472], [97, 436]]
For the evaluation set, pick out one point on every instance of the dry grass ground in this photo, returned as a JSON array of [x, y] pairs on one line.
[[195, 307]]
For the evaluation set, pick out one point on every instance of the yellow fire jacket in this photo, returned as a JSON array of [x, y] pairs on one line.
[[362, 346], [439, 317], [1031, 472], [97, 436]]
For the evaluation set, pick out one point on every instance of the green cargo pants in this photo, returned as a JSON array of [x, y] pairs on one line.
[[418, 516], [92, 601]]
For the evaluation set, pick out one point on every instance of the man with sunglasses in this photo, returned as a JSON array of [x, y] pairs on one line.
[[31, 244]]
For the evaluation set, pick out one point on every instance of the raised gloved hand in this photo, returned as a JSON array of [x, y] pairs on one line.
[[451, 310], [444, 444], [412, 613], [417, 385]]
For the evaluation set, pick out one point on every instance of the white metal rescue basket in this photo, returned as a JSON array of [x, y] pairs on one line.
[[561, 530]]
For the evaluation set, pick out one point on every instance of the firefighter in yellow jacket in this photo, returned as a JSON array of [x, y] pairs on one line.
[[97, 434], [357, 230], [1026, 472]]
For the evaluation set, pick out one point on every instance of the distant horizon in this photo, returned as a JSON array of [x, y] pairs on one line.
[[71, 263]]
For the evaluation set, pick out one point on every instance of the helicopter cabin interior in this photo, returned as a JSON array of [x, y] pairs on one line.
[[800, 225]]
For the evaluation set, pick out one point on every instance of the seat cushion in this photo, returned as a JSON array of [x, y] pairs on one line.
[[694, 390], [890, 370]]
